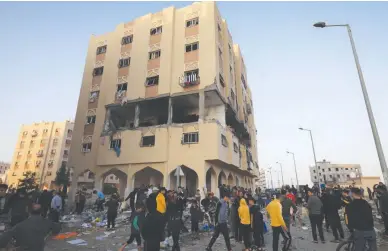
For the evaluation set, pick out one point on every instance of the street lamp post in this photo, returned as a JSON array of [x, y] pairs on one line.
[[281, 169], [270, 173], [296, 173], [315, 158], [379, 148]]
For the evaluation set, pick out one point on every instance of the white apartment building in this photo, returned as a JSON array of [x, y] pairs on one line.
[[327, 172]]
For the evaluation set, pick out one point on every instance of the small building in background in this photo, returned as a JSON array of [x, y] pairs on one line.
[[41, 148], [329, 173], [4, 167]]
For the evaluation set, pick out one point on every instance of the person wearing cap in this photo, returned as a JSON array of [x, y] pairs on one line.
[[221, 220]]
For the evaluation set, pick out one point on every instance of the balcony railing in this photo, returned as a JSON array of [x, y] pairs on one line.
[[120, 96], [39, 154], [189, 80]]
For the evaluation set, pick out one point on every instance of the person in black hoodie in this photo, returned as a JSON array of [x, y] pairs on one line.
[[257, 223], [331, 207], [137, 219], [195, 213], [131, 198], [152, 226], [113, 205], [45, 201], [174, 220], [19, 205]]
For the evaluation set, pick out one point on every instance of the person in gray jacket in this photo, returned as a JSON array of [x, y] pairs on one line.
[[221, 219], [315, 207]]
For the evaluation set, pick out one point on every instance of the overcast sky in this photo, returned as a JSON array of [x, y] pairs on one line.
[[299, 75]]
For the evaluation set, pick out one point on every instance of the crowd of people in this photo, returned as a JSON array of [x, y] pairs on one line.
[[157, 214]]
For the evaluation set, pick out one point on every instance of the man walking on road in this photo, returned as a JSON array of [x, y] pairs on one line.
[[287, 206], [221, 219], [278, 225], [314, 206]]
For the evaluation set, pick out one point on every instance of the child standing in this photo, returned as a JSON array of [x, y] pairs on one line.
[[195, 218], [137, 223], [113, 205]]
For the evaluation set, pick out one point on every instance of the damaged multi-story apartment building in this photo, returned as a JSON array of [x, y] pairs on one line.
[[163, 91]]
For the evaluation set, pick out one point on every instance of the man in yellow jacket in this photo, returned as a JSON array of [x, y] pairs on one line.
[[245, 222], [278, 225], [161, 208], [161, 202]]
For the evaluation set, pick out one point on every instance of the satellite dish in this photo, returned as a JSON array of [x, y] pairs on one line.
[[353, 175]]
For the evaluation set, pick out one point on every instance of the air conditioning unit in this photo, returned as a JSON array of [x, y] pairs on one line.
[[84, 150]]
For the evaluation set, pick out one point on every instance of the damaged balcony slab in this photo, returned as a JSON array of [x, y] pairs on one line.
[[185, 108], [238, 126], [132, 115]]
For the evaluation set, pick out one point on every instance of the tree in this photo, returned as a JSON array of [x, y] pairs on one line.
[[63, 178], [28, 182]]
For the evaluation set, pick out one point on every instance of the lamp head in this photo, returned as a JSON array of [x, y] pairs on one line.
[[320, 25]]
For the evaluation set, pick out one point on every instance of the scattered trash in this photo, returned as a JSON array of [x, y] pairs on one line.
[[65, 236], [100, 238], [77, 242]]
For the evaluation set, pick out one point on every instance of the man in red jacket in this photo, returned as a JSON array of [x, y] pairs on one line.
[[291, 196]]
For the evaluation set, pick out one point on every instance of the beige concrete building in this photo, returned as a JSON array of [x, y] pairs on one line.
[[42, 148], [334, 173], [167, 89], [4, 168]]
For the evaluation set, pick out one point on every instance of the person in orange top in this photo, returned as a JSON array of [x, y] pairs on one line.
[[245, 222]]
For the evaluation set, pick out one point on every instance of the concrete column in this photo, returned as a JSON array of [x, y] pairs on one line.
[[72, 189], [170, 111], [202, 184], [98, 181], [201, 106], [137, 115]]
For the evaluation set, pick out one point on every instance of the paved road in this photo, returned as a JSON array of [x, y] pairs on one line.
[[302, 241], [100, 240]]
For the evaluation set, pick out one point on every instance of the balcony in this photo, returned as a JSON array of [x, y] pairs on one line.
[[120, 96], [39, 154], [189, 80]]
